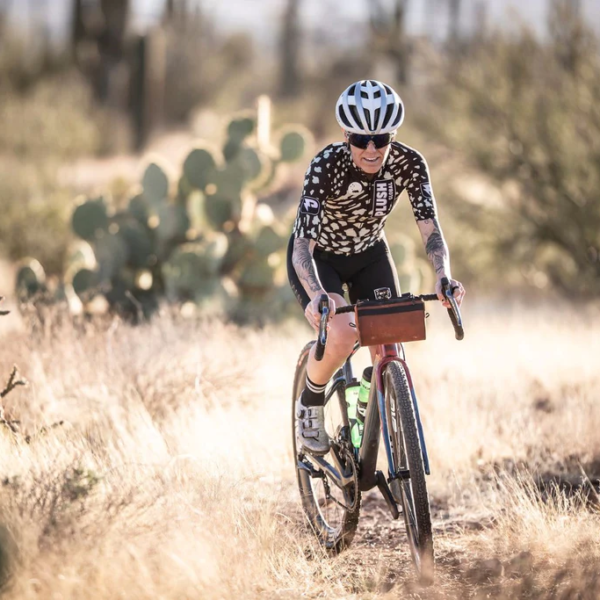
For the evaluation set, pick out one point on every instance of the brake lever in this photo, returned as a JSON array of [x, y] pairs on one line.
[[454, 311], [322, 335]]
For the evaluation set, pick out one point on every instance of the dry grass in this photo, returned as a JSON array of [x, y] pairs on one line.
[[173, 477]]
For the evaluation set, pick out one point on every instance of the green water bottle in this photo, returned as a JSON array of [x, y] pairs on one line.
[[363, 399], [352, 392]]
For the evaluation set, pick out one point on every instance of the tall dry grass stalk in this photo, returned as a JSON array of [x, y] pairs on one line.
[[173, 476]]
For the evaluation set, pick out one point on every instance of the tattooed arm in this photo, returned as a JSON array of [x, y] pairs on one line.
[[438, 254], [435, 247], [305, 267], [307, 274]]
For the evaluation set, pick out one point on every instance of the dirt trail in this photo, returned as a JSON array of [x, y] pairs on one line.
[[378, 563]]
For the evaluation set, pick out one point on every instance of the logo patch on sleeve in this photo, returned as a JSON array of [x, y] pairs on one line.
[[426, 190], [384, 194], [383, 294], [310, 206]]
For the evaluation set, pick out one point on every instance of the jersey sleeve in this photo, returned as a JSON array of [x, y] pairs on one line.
[[316, 189], [419, 188]]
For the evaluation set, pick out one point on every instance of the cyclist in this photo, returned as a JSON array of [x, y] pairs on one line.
[[350, 188]]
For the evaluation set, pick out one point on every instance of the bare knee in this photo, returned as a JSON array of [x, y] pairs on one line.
[[341, 339]]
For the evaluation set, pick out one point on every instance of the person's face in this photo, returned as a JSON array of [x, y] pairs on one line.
[[371, 158]]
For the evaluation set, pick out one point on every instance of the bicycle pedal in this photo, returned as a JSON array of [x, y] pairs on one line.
[[387, 494], [402, 474]]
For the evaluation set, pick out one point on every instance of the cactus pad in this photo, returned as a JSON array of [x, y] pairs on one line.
[[140, 249], [240, 128], [240, 247], [31, 278], [199, 167], [84, 281], [221, 210], [192, 270], [155, 183], [139, 209], [268, 241], [257, 278], [90, 219], [252, 162], [292, 146], [111, 253]]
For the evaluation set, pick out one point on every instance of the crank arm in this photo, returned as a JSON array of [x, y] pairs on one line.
[[310, 470], [334, 474], [387, 494]]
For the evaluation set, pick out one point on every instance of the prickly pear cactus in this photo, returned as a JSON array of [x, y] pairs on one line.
[[293, 143], [257, 278], [111, 253], [193, 270], [195, 238], [241, 127], [172, 224], [80, 254], [139, 209], [252, 163], [223, 212], [140, 246], [84, 282], [31, 279], [269, 240], [90, 219], [199, 167], [155, 184]]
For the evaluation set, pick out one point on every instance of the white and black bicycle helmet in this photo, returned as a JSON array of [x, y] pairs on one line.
[[369, 107]]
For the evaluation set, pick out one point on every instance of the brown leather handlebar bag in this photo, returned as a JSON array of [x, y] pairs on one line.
[[390, 321]]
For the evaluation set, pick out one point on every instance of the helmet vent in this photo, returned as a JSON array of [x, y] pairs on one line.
[[355, 115], [376, 119], [388, 113], [342, 117], [398, 119]]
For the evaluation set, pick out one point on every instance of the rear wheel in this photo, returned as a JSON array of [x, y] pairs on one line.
[[411, 490], [331, 512]]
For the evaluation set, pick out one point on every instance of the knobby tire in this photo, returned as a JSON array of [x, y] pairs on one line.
[[410, 493], [334, 539]]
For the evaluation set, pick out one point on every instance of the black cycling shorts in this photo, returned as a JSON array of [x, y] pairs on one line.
[[369, 275]]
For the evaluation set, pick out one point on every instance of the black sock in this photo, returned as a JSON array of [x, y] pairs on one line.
[[313, 394]]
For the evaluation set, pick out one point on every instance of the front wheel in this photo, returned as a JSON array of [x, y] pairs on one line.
[[331, 513], [409, 488]]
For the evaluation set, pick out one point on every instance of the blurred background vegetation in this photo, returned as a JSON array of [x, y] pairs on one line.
[[506, 112]]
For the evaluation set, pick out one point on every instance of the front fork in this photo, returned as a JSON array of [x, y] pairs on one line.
[[390, 355]]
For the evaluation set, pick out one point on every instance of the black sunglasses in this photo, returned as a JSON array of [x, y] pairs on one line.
[[361, 140]]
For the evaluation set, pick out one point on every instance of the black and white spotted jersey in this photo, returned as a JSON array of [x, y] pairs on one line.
[[344, 211]]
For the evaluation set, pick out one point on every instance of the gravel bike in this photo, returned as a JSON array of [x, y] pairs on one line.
[[331, 485]]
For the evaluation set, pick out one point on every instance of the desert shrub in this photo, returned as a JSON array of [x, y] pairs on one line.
[[46, 119], [50, 120], [524, 112]]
